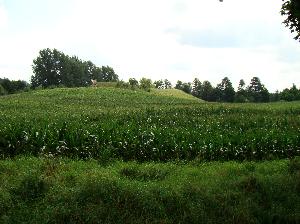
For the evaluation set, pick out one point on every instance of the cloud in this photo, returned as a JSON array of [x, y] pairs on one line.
[[174, 39]]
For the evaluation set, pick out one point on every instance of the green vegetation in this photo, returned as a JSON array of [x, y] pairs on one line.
[[73, 155], [10, 86], [66, 191], [291, 10], [108, 123], [54, 68]]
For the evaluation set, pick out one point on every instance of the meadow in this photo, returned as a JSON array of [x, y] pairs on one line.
[[109, 155], [163, 125]]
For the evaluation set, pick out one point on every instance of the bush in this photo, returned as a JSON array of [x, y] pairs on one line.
[[145, 84]]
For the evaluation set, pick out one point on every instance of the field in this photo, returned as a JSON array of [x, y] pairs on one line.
[[109, 155], [103, 123]]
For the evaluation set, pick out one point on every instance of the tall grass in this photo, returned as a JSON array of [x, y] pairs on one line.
[[64, 191]]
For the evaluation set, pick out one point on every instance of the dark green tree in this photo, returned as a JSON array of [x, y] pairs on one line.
[[133, 83], [197, 88], [224, 91], [179, 85], [54, 68], [290, 94], [274, 97], [208, 92], [12, 86], [47, 68], [159, 84], [109, 74], [184, 86], [291, 9], [241, 94], [167, 84], [257, 92]]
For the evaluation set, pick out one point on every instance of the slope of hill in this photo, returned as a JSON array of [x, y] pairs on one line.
[[98, 98], [175, 93], [136, 125]]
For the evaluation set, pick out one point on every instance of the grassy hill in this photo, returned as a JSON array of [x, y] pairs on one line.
[[161, 125], [108, 155]]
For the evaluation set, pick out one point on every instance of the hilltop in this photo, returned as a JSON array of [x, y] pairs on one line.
[[102, 98]]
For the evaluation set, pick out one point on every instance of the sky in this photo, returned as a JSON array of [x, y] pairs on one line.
[[157, 39]]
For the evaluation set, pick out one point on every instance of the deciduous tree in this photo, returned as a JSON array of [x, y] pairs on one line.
[[291, 9]]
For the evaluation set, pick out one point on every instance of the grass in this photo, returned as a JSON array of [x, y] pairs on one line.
[[108, 155], [174, 93], [66, 191], [103, 123]]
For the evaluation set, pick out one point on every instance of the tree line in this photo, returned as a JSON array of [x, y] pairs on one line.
[[54, 68], [12, 86], [224, 91]]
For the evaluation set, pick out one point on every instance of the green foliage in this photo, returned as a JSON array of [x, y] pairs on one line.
[[122, 84], [197, 88], [257, 92], [167, 84], [163, 84], [12, 86], [291, 94], [65, 191], [2, 91], [225, 91], [159, 84], [138, 125], [241, 94], [145, 84], [184, 86], [208, 92], [54, 68], [294, 165], [291, 9], [133, 83], [108, 74], [30, 188]]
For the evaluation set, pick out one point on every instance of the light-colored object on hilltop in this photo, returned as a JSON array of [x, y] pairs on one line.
[[94, 82]]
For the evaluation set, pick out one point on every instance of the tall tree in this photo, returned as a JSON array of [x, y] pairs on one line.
[[53, 67], [46, 68], [178, 85], [167, 84], [208, 92], [241, 94], [109, 74], [159, 84], [197, 88], [257, 92], [225, 91]]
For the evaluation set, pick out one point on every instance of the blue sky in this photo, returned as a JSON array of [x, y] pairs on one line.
[[174, 39]]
